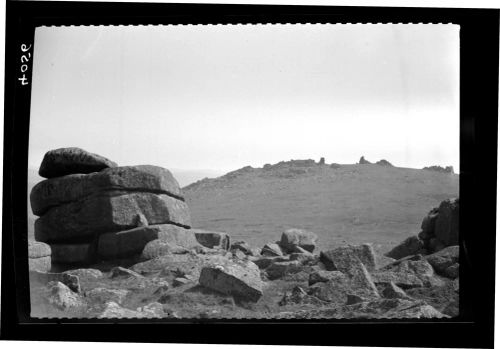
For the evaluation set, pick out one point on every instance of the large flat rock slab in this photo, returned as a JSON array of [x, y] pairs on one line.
[[130, 242], [72, 253], [109, 212], [64, 161], [62, 190]]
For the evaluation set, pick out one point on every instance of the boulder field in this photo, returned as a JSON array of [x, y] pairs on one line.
[[117, 242]]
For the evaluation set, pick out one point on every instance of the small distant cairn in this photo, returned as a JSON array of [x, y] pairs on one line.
[[321, 161], [91, 209], [363, 161], [447, 169]]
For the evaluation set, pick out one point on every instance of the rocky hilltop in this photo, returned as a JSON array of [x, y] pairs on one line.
[[117, 242], [342, 203]]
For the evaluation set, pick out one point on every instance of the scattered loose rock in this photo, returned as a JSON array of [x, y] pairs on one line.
[[410, 246], [345, 257], [298, 237], [240, 279], [212, 239], [271, 250]]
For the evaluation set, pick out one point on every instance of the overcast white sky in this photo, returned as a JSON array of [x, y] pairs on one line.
[[223, 97]]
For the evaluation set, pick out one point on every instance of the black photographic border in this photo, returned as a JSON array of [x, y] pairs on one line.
[[479, 43]]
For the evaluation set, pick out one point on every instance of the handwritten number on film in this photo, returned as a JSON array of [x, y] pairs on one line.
[[25, 58]]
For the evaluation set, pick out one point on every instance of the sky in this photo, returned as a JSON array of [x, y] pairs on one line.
[[223, 97]]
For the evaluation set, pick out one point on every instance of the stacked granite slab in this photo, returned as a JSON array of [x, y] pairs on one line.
[[89, 208], [39, 256]]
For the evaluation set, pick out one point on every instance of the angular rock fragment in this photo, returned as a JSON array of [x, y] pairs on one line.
[[103, 295], [241, 279], [108, 212], [324, 276], [63, 298], [62, 190], [298, 237], [124, 272], [65, 161], [242, 246], [113, 310], [85, 273], [212, 239], [410, 246], [271, 250], [279, 269], [393, 291], [345, 257], [443, 259], [157, 248]]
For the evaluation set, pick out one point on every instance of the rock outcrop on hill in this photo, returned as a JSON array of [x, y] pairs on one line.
[[440, 231], [91, 209], [447, 169], [363, 161]]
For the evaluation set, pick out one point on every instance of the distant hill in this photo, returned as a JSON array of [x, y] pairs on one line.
[[341, 203]]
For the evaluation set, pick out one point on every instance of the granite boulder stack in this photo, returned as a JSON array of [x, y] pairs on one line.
[[89, 208]]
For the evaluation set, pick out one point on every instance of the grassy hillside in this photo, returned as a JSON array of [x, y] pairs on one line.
[[352, 203]]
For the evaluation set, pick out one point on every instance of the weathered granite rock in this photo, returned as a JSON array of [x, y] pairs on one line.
[[63, 298], [393, 291], [410, 246], [345, 257], [85, 273], [181, 282], [109, 212], [393, 309], [335, 290], [124, 272], [37, 249], [443, 259], [69, 280], [453, 271], [62, 190], [72, 253], [429, 223], [263, 262], [298, 295], [42, 264], [130, 242], [279, 269], [324, 276], [103, 295], [212, 239], [446, 229], [156, 248], [113, 310], [241, 279], [65, 161], [271, 250], [242, 246], [298, 237], [401, 279]]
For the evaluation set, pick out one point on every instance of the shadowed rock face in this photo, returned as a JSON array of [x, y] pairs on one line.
[[65, 161], [109, 212]]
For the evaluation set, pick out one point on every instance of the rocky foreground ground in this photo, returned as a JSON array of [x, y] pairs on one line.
[[116, 242]]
